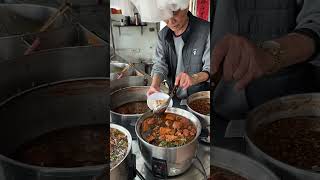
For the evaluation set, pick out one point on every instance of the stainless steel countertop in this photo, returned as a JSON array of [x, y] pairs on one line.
[[194, 173]]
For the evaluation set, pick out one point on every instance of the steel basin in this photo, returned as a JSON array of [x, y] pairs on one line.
[[285, 107], [178, 159], [18, 19]]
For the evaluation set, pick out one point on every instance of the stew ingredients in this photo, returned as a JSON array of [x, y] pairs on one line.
[[170, 130]]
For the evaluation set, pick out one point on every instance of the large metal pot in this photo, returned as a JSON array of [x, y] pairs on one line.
[[285, 107], [25, 18], [121, 171], [205, 119], [123, 96], [74, 35], [240, 164], [177, 159], [46, 108]]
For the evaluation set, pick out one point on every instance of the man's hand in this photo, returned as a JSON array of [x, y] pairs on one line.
[[184, 80], [152, 90], [155, 85], [241, 60]]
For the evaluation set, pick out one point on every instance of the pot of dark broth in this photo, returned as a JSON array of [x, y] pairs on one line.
[[55, 131], [285, 134], [127, 105], [199, 104]]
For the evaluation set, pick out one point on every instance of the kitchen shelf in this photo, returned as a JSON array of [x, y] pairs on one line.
[[120, 26]]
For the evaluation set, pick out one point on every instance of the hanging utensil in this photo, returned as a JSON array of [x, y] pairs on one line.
[[62, 9], [124, 70]]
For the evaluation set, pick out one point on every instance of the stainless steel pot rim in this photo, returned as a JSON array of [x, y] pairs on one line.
[[171, 148], [130, 87], [302, 171], [29, 5], [45, 85], [256, 163], [126, 115], [129, 137], [188, 101], [282, 99]]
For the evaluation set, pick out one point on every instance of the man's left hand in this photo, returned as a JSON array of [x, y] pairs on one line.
[[184, 80], [241, 60]]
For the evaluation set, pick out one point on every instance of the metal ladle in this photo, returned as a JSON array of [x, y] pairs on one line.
[[162, 108]]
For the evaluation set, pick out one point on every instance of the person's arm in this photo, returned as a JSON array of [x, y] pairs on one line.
[[244, 61], [159, 68], [185, 80], [308, 24], [296, 48]]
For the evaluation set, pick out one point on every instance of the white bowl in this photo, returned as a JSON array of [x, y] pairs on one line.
[[151, 101]]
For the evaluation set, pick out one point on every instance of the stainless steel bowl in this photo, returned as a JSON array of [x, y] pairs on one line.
[[240, 164], [123, 96], [121, 170], [205, 119], [178, 159], [285, 107]]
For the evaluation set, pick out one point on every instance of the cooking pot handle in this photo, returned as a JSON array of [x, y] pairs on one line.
[[204, 133], [132, 167]]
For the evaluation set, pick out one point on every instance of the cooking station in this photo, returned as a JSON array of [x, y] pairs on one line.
[[196, 170], [200, 168]]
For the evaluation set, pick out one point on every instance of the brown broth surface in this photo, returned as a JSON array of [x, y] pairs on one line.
[[66, 148], [295, 141], [137, 107], [201, 106], [217, 173]]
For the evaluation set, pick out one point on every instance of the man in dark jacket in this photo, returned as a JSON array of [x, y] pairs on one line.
[[265, 49], [183, 54]]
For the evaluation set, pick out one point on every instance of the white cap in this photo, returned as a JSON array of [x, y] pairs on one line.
[[158, 10]]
